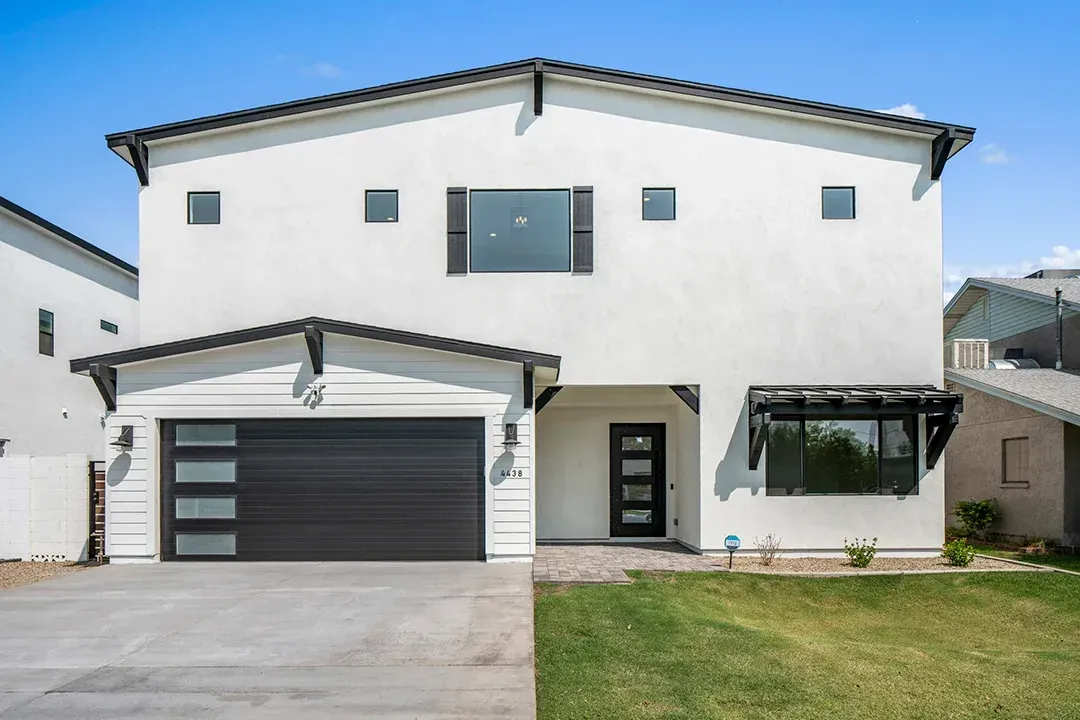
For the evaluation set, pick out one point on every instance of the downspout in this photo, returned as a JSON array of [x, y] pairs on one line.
[[1057, 304]]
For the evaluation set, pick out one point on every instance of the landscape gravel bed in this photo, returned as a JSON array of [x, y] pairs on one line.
[[17, 574], [786, 565]]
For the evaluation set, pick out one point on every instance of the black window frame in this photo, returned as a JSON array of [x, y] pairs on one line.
[[397, 205], [674, 204], [47, 338], [109, 327], [854, 204], [190, 217], [782, 490], [570, 229]]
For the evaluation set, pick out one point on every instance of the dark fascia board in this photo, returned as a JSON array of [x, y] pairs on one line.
[[297, 327], [120, 142], [67, 236]]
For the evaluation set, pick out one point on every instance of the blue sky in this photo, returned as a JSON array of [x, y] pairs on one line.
[[74, 71]]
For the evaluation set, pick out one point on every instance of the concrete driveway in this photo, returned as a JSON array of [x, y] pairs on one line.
[[230, 640]]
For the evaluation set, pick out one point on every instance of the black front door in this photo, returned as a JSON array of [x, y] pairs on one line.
[[637, 481]]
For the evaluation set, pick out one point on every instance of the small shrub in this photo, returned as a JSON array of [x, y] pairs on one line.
[[976, 516], [958, 553], [1035, 546], [768, 548], [860, 553]]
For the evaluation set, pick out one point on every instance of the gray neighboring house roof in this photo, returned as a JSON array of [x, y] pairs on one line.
[[1038, 289], [1052, 392]]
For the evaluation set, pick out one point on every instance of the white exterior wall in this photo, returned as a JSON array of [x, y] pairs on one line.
[[268, 379], [38, 270], [44, 507], [748, 286]]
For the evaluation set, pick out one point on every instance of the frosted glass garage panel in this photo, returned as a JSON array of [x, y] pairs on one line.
[[205, 508], [205, 471], [205, 543], [205, 435]]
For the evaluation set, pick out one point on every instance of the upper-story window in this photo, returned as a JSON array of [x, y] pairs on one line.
[[519, 230], [204, 208], [838, 203], [109, 327], [45, 332], [658, 204], [380, 206]]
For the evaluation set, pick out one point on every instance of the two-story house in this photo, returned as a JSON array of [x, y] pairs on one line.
[[60, 297], [451, 317], [1012, 347]]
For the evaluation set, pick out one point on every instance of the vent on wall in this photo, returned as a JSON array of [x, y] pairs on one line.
[[967, 354]]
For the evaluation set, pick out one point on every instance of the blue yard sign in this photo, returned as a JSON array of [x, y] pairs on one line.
[[731, 542]]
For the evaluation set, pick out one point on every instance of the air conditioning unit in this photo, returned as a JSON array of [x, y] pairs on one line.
[[967, 354]]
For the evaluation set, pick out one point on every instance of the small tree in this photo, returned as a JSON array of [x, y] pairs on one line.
[[768, 548], [976, 516]]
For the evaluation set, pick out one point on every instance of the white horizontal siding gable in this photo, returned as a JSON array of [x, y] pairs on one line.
[[361, 378]]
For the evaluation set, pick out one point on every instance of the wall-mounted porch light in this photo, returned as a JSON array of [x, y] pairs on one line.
[[510, 436], [126, 438]]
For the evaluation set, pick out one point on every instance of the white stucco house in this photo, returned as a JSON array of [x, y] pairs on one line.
[[452, 317], [60, 297]]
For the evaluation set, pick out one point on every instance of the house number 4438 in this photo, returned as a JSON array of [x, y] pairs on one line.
[[512, 473]]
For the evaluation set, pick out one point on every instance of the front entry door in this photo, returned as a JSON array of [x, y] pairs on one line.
[[637, 481]]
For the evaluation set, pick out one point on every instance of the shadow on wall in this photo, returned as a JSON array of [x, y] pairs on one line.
[[733, 472], [525, 119], [118, 469], [501, 467]]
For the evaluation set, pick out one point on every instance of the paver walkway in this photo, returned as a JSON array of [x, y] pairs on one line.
[[605, 562]]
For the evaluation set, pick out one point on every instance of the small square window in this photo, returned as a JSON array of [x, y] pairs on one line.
[[204, 208], [380, 206], [109, 327], [45, 332], [658, 204], [837, 203]]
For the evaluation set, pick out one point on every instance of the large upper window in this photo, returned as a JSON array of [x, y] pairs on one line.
[[519, 230], [841, 456]]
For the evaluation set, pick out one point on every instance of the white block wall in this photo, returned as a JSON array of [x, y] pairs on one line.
[[44, 507]]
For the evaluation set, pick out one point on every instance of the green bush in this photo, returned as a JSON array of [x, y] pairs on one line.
[[976, 516], [958, 553], [860, 553]]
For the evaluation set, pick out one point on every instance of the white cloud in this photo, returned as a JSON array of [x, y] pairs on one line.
[[993, 154], [1061, 256], [323, 69], [907, 110]]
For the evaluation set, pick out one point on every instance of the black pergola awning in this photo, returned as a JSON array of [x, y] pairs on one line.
[[941, 407]]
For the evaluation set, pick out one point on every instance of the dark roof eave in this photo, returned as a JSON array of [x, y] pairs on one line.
[[296, 327], [118, 141], [69, 237]]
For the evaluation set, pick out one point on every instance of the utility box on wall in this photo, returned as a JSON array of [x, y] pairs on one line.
[[44, 508]]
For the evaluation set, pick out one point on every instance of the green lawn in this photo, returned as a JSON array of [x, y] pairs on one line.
[[713, 645], [1066, 562]]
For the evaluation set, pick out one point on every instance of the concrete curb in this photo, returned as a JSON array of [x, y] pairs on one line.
[[879, 573], [1036, 566]]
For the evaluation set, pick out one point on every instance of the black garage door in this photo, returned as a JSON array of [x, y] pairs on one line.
[[351, 489]]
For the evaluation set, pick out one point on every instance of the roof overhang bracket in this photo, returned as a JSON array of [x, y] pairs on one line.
[[140, 158], [687, 396], [538, 88], [759, 431], [527, 383], [313, 336], [939, 428], [940, 151], [547, 396], [104, 378]]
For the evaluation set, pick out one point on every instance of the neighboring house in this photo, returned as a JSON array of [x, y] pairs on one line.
[[335, 289], [61, 298], [1018, 441]]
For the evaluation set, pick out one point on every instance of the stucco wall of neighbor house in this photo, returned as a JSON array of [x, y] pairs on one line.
[[268, 379], [748, 286], [573, 461], [974, 470], [1071, 534], [39, 271]]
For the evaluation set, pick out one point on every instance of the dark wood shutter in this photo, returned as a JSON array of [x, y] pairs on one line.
[[457, 231], [582, 250]]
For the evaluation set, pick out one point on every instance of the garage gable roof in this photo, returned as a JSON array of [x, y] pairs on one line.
[[297, 327], [132, 145]]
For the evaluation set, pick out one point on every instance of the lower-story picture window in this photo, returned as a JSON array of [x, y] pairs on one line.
[[218, 543], [824, 455]]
